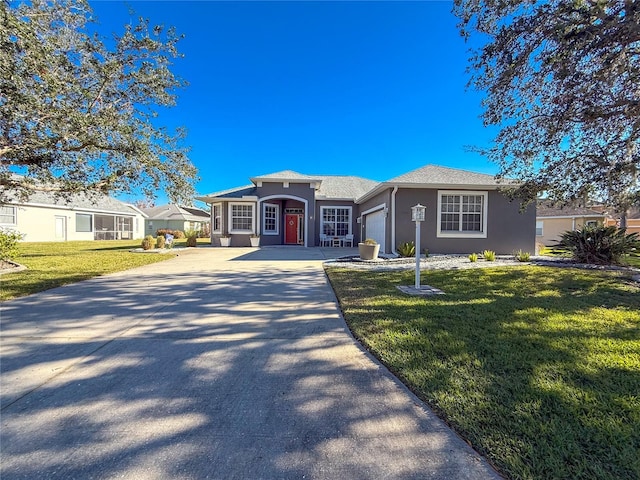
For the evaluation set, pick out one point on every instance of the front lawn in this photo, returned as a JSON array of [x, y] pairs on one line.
[[537, 367], [52, 264]]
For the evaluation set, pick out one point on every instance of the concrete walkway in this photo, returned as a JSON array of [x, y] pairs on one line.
[[220, 363]]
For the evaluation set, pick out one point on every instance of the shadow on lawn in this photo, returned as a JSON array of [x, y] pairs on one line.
[[532, 355]]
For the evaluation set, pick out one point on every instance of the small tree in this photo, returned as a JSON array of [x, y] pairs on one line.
[[77, 115], [599, 245]]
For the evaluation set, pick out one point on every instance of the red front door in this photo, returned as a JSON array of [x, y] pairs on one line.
[[291, 230]]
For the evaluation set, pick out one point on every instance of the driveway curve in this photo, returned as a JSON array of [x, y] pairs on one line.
[[219, 363]]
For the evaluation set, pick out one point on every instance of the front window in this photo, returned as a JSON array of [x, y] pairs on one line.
[[8, 215], [539, 228], [217, 218], [241, 218], [83, 222], [336, 221], [270, 216], [462, 214]]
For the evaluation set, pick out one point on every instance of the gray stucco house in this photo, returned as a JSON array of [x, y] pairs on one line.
[[466, 212]]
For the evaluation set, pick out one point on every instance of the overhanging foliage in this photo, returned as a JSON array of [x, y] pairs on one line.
[[76, 115]]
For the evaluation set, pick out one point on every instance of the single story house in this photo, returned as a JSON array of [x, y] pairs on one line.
[[613, 219], [466, 212], [45, 218], [175, 217], [552, 221]]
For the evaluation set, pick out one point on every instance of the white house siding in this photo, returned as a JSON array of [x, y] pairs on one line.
[[38, 223]]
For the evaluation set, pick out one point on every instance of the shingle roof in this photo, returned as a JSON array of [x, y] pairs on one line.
[[99, 202], [546, 209], [358, 188], [331, 186], [434, 174], [237, 192], [176, 212], [344, 187], [285, 175]]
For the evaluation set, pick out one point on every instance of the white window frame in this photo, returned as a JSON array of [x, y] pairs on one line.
[[460, 233], [539, 228], [345, 207], [264, 218], [213, 218], [14, 215], [84, 215], [253, 217]]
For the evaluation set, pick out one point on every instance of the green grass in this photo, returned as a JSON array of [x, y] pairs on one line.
[[633, 260], [538, 368], [52, 264], [630, 260]]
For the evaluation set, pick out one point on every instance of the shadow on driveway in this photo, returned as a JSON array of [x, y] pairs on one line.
[[207, 372]]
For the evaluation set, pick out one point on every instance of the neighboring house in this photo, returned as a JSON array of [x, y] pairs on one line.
[[632, 218], [552, 221], [43, 218], [175, 217], [465, 212]]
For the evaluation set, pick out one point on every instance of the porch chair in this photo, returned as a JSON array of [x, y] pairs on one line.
[[347, 239], [324, 240]]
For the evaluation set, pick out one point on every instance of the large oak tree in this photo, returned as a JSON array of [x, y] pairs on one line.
[[562, 83], [79, 112]]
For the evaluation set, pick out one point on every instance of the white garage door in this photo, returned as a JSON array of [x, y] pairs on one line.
[[374, 228]]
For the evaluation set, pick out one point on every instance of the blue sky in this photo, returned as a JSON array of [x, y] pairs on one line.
[[348, 88]]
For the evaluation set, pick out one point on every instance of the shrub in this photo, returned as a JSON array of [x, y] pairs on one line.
[[426, 252], [205, 231], [522, 256], [599, 244], [192, 238], [165, 231], [542, 249], [9, 243], [473, 257], [489, 255], [148, 242], [370, 241], [160, 241], [407, 249]]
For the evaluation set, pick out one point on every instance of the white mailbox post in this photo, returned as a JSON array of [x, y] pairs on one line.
[[417, 215]]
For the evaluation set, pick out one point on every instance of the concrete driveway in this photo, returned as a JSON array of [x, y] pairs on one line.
[[220, 363]]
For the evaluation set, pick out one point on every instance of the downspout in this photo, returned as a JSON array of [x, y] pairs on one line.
[[393, 220]]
